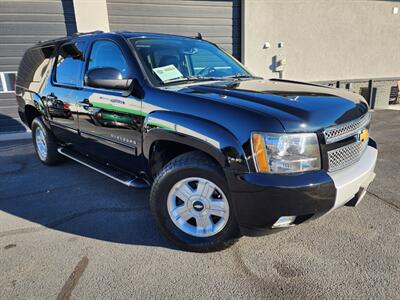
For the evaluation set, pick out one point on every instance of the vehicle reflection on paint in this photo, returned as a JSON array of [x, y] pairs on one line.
[[154, 122], [59, 109], [107, 117], [110, 112], [113, 119]]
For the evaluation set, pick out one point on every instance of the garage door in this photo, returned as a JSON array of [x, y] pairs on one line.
[[22, 24], [217, 20]]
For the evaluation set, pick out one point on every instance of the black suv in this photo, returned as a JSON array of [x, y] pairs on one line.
[[224, 152]]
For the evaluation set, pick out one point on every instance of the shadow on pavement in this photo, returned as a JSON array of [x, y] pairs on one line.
[[73, 199], [9, 124]]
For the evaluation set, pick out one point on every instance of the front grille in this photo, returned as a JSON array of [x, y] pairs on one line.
[[345, 130], [345, 156]]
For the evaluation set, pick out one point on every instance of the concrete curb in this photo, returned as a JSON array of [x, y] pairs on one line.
[[15, 136], [394, 107]]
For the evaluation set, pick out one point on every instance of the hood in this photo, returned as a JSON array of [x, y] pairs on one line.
[[299, 106]]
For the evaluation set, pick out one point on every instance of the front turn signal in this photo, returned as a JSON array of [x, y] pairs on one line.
[[259, 152]]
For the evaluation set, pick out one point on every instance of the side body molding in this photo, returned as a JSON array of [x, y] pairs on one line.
[[196, 132]]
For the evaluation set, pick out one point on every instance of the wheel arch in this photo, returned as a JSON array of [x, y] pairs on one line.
[[33, 107], [186, 133], [31, 112]]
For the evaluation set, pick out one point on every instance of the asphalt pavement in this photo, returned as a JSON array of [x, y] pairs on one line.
[[69, 232]]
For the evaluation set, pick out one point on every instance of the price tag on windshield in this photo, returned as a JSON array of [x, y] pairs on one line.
[[167, 73]]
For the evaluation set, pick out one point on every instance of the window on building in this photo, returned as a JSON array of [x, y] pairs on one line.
[[7, 82], [107, 54], [10, 80]]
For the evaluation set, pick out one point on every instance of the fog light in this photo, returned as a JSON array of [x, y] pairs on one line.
[[284, 221]]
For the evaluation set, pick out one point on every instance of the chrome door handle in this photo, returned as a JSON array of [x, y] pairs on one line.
[[51, 97]]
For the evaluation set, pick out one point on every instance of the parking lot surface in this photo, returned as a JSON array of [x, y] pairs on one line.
[[67, 231]]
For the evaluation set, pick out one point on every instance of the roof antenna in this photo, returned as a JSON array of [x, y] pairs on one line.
[[199, 36]]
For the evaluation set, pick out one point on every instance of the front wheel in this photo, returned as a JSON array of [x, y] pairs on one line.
[[191, 203]]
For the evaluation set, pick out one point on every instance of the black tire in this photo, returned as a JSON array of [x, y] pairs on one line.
[[191, 164], [52, 157]]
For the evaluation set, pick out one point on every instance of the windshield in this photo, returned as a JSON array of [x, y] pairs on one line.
[[174, 60]]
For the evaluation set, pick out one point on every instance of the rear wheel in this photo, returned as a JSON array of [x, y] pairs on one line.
[[191, 203], [45, 143]]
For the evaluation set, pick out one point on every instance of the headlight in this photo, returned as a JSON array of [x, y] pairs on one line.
[[285, 153]]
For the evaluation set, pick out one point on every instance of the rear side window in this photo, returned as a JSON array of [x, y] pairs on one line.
[[34, 67], [107, 54], [68, 67]]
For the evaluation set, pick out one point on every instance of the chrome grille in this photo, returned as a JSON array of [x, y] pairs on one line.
[[345, 156], [345, 130]]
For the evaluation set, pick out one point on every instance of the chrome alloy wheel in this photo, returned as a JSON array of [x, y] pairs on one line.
[[41, 145], [198, 207]]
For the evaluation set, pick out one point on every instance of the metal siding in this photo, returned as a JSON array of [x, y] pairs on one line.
[[22, 24], [217, 20]]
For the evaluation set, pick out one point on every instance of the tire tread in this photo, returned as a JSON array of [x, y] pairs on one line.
[[193, 159]]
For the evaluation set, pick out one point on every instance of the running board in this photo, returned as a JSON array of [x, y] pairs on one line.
[[117, 175]]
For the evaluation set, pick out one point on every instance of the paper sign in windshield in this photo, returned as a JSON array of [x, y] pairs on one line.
[[167, 73]]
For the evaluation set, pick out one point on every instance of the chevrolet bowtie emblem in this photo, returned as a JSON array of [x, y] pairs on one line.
[[363, 135]]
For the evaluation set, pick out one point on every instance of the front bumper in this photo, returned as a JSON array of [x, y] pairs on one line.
[[355, 179], [261, 199]]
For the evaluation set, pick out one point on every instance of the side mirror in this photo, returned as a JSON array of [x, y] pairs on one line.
[[108, 78]]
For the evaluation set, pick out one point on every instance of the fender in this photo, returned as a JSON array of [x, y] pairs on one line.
[[196, 132], [38, 103], [27, 98]]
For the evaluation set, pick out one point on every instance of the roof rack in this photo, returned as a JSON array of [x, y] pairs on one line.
[[69, 36], [90, 32], [52, 41]]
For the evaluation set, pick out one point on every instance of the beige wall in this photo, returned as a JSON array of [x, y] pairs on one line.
[[91, 15], [322, 39]]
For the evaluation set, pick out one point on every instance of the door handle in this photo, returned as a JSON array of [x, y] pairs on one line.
[[86, 102], [51, 97]]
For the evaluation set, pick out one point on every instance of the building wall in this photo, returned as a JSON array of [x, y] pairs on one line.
[[87, 20], [322, 39], [23, 24], [217, 20]]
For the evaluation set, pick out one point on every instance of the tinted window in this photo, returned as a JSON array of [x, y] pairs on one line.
[[68, 68], [107, 54], [33, 66]]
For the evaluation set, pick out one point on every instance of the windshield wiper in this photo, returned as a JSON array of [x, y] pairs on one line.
[[205, 78], [193, 78], [241, 76]]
